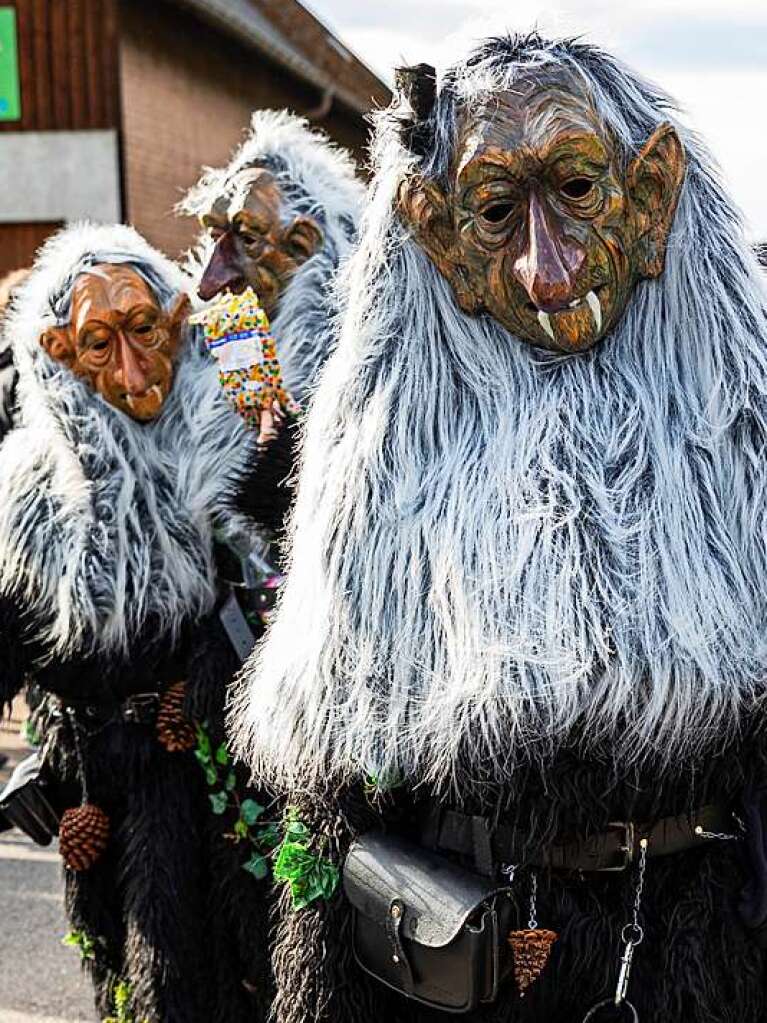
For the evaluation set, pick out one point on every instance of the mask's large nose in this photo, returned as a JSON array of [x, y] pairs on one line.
[[549, 265], [223, 271], [131, 372]]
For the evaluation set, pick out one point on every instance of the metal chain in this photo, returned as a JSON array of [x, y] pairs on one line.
[[509, 870], [533, 921], [634, 924], [74, 725], [719, 836]]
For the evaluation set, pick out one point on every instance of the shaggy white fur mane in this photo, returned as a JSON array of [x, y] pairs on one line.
[[496, 551], [106, 524], [317, 179]]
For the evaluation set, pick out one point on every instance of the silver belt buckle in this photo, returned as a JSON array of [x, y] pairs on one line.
[[626, 849]]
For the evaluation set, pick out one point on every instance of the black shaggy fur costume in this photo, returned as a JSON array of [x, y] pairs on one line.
[[698, 963], [530, 587], [168, 906]]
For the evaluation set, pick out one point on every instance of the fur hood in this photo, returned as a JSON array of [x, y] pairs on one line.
[[497, 551], [107, 523], [317, 179]]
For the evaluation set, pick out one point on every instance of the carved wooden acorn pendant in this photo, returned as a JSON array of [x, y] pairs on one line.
[[175, 731], [532, 949], [83, 836]]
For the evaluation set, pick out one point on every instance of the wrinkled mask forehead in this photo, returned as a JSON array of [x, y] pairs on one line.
[[529, 120], [252, 190], [108, 288]]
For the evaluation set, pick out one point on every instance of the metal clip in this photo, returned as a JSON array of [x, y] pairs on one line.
[[625, 972]]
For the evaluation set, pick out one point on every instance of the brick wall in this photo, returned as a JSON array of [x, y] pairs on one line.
[[187, 93]]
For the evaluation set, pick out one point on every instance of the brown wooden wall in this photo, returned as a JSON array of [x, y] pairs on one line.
[[67, 65], [19, 242], [187, 95]]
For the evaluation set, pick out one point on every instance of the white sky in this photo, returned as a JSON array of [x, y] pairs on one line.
[[710, 55]]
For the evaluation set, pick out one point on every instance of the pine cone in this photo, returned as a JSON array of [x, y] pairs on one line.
[[532, 949], [174, 729], [83, 836]]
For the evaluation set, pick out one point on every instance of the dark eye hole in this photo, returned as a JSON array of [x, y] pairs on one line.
[[577, 188], [497, 212], [143, 328], [99, 346]]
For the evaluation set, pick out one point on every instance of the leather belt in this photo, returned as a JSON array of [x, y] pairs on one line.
[[603, 852], [139, 709]]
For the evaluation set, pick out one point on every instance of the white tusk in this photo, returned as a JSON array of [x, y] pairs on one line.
[[129, 400], [545, 322], [596, 309], [155, 389]]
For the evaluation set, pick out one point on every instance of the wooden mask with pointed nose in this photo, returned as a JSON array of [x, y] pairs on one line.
[[542, 225], [120, 339]]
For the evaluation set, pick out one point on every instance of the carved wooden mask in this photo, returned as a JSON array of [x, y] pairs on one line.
[[540, 226], [253, 246], [120, 339]]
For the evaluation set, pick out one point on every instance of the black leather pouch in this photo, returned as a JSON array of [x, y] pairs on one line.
[[25, 802], [427, 928]]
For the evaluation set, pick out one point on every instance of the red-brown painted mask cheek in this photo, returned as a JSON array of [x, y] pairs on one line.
[[123, 342], [253, 245]]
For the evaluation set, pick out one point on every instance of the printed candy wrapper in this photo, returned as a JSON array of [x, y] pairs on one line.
[[238, 337]]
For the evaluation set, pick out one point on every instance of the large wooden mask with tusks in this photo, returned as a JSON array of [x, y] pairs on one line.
[[540, 225]]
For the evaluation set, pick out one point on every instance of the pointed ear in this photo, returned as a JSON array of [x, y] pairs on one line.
[[425, 209], [303, 238], [654, 182], [177, 316], [58, 343]]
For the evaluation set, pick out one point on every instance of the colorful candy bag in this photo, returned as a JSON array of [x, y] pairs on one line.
[[237, 335]]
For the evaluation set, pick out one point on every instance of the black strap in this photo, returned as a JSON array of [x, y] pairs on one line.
[[611, 850], [236, 627], [138, 709]]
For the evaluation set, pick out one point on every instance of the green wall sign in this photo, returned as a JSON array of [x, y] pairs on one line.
[[10, 100]]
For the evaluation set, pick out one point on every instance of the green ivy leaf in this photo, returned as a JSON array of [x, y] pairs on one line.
[[268, 837], [219, 802], [296, 831], [222, 755], [211, 775], [231, 781], [250, 811], [310, 876], [257, 866], [82, 941], [203, 742], [241, 829]]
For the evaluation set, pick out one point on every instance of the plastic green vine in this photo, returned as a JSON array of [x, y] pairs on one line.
[[310, 875], [262, 837], [288, 842]]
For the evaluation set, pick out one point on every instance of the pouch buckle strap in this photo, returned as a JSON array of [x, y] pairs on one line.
[[394, 920]]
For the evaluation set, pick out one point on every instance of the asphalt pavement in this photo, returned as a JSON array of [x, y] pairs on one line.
[[40, 979]]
